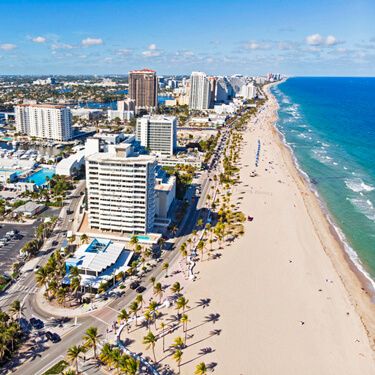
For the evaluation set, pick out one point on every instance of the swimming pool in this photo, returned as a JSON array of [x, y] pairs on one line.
[[144, 238], [7, 139], [40, 177]]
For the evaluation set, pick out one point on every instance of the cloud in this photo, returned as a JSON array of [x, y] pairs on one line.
[[7, 46], [61, 46], [152, 51], [314, 40], [319, 40], [39, 39], [331, 40], [88, 42], [124, 52]]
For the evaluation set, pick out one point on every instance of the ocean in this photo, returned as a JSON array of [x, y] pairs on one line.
[[329, 123]]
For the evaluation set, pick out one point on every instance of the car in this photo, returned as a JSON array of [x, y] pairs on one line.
[[36, 323], [134, 285], [55, 243], [55, 338], [49, 335], [140, 289]]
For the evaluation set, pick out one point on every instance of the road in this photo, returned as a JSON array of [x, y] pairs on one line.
[[104, 317]]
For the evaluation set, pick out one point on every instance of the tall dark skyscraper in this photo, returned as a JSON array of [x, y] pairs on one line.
[[143, 88]]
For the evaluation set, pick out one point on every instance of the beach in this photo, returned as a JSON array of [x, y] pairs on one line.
[[283, 298]]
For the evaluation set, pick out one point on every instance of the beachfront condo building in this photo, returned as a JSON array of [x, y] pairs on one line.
[[143, 89], [121, 190], [45, 121], [199, 91], [157, 133], [248, 91]]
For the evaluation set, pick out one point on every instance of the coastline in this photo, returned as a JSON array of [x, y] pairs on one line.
[[355, 278]]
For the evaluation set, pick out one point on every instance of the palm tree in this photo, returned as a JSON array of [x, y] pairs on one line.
[[134, 308], [163, 326], [148, 317], [165, 268], [124, 315], [134, 241], [91, 338], [176, 288], [106, 354], [200, 222], [153, 279], [161, 243], [152, 308], [182, 303], [178, 343], [201, 369], [69, 372], [200, 247], [184, 320], [73, 354], [149, 340], [129, 365], [158, 290], [177, 356], [16, 308], [84, 238], [139, 300], [42, 277]]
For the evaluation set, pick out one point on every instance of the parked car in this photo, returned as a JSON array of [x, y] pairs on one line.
[[134, 285], [140, 289], [36, 323]]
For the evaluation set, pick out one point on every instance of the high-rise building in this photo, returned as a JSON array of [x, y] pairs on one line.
[[143, 88], [45, 121], [157, 133], [199, 91], [212, 81], [121, 190], [249, 91]]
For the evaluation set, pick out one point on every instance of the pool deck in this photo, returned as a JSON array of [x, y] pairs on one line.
[[92, 233]]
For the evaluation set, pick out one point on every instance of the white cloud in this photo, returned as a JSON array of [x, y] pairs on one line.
[[331, 40], [39, 39], [92, 42], [152, 51], [253, 45], [61, 46], [314, 40], [7, 46], [124, 52], [319, 40]]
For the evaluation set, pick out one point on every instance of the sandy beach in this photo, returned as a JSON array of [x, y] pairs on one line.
[[282, 299]]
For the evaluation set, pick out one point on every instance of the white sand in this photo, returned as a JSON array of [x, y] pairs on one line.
[[286, 269]]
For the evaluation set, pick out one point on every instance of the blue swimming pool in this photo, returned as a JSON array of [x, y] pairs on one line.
[[143, 238], [40, 177]]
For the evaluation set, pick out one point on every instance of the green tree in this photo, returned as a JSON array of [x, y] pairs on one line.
[[200, 369], [177, 356], [150, 340], [91, 338], [73, 355]]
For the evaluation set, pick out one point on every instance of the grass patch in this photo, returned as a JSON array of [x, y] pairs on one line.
[[58, 368]]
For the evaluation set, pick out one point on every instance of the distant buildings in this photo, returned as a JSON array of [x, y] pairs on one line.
[[125, 110], [121, 190], [249, 91], [199, 91], [47, 81], [143, 88], [157, 133], [45, 121]]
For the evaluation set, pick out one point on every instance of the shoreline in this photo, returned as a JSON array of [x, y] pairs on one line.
[[356, 280]]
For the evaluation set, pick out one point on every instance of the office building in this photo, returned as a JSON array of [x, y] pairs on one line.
[[143, 89], [157, 133], [120, 190], [45, 121], [199, 91]]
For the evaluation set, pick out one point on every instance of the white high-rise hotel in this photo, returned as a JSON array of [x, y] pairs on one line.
[[44, 121], [199, 91], [157, 133], [121, 190]]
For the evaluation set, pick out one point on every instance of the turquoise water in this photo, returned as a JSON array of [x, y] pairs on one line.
[[329, 123], [40, 177], [7, 139], [143, 238]]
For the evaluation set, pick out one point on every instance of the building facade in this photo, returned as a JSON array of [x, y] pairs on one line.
[[199, 91], [121, 190], [45, 121], [157, 133], [143, 89]]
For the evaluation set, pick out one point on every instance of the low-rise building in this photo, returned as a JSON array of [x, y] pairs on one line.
[[99, 261], [29, 209], [71, 165]]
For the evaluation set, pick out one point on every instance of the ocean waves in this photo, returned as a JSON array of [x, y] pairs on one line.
[[358, 185]]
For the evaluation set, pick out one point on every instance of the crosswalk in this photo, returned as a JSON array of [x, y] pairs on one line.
[[18, 290]]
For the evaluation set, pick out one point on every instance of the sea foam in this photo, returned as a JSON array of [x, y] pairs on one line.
[[358, 185]]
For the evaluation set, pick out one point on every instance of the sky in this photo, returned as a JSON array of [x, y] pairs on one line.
[[292, 37]]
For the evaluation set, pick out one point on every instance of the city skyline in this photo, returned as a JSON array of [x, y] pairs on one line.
[[113, 37]]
